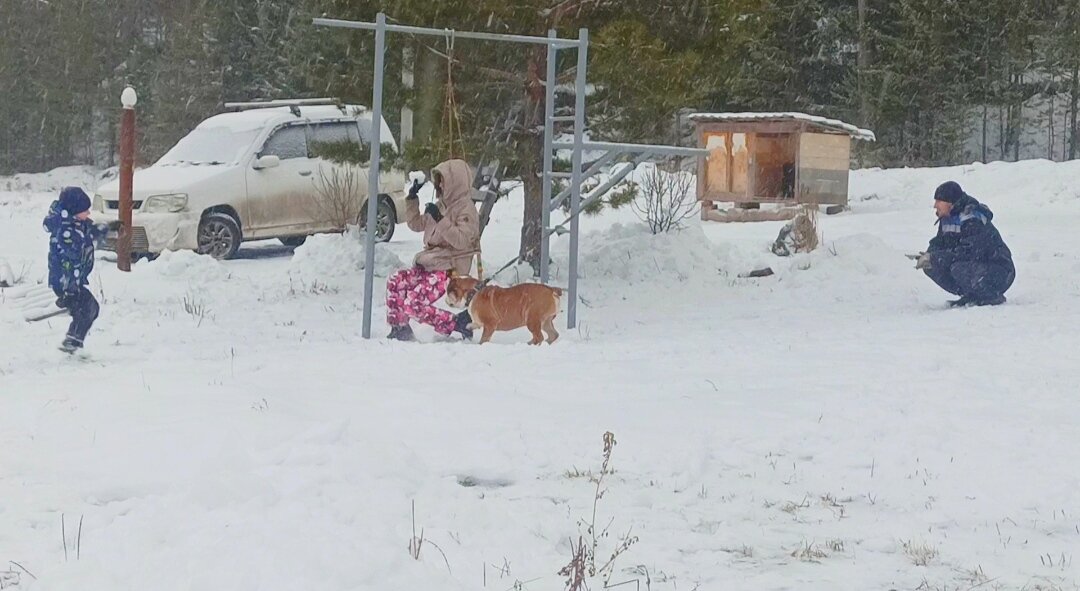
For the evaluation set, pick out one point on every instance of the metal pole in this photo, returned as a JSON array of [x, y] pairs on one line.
[[575, 194], [549, 112], [333, 22], [127, 172], [620, 147], [373, 172]]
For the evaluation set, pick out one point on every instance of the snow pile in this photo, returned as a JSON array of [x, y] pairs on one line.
[[1032, 182], [864, 263], [332, 257], [186, 265], [630, 254], [86, 177]]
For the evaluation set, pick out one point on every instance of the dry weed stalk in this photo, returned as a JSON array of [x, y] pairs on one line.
[[583, 562]]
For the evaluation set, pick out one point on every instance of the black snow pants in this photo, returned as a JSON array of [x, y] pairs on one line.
[[974, 280]]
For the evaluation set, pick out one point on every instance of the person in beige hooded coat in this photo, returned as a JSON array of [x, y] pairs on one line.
[[451, 230]]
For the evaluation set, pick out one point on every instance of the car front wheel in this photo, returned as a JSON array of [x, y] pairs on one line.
[[219, 236], [385, 220]]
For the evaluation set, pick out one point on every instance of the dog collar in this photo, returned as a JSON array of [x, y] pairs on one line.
[[473, 293]]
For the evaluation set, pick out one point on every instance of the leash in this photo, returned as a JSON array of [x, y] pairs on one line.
[[483, 282]]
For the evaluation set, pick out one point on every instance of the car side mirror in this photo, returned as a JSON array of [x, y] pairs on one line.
[[268, 161]]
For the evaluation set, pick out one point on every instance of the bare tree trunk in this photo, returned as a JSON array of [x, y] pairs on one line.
[[1050, 127], [530, 146], [864, 64], [1074, 103], [430, 86], [985, 117]]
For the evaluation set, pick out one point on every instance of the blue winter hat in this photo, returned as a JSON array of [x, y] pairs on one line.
[[949, 192], [74, 200]]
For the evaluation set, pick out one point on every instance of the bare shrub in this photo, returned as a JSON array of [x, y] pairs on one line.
[[664, 199], [339, 194]]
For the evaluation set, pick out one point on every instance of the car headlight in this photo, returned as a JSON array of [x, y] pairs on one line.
[[165, 203]]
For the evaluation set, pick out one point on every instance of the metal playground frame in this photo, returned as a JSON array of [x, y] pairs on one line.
[[577, 176]]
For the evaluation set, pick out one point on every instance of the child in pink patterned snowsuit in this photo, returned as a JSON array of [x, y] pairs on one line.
[[451, 238]]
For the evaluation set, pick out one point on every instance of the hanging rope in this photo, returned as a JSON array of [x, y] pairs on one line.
[[451, 114]]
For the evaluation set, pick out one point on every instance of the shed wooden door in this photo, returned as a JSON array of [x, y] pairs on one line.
[[824, 163]]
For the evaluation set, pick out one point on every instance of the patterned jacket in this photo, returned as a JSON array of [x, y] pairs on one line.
[[71, 249]]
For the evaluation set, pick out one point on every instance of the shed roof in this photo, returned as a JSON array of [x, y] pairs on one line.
[[821, 122]]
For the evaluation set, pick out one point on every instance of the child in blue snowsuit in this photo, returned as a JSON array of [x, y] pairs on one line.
[[72, 236], [967, 258]]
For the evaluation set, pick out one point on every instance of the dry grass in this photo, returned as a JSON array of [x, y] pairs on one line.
[[806, 229], [800, 235], [808, 553], [919, 553], [743, 551]]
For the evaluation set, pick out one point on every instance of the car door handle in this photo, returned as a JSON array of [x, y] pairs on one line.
[[305, 173]]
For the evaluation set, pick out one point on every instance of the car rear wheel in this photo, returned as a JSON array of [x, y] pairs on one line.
[[385, 219], [219, 236], [293, 241]]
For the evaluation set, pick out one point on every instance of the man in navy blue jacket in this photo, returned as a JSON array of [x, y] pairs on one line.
[[967, 258], [72, 236]]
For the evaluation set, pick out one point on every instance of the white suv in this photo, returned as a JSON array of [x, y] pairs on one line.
[[256, 173]]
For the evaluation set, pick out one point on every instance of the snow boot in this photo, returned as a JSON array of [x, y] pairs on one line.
[[70, 345], [461, 324], [401, 333], [963, 302], [992, 301]]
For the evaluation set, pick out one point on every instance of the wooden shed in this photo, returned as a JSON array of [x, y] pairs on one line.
[[784, 158]]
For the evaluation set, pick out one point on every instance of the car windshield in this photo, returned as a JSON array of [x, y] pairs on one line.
[[210, 145]]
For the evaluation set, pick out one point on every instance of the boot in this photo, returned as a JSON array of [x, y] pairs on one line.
[[992, 301], [70, 345], [964, 301], [461, 324], [401, 333]]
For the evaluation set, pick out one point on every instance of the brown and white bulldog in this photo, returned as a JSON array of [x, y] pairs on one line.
[[492, 308]]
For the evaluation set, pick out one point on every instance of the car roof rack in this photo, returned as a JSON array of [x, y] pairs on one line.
[[293, 104]]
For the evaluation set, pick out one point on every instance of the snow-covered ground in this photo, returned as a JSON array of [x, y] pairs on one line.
[[830, 427]]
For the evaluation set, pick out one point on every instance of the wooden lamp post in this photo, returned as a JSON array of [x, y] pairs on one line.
[[127, 170]]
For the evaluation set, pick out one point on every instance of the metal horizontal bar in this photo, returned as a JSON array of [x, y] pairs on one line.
[[619, 147], [617, 178], [561, 175], [344, 24], [563, 119], [593, 170]]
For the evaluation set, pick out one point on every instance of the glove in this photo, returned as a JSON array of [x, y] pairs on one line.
[[433, 211], [414, 190], [64, 301], [924, 261], [114, 226]]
